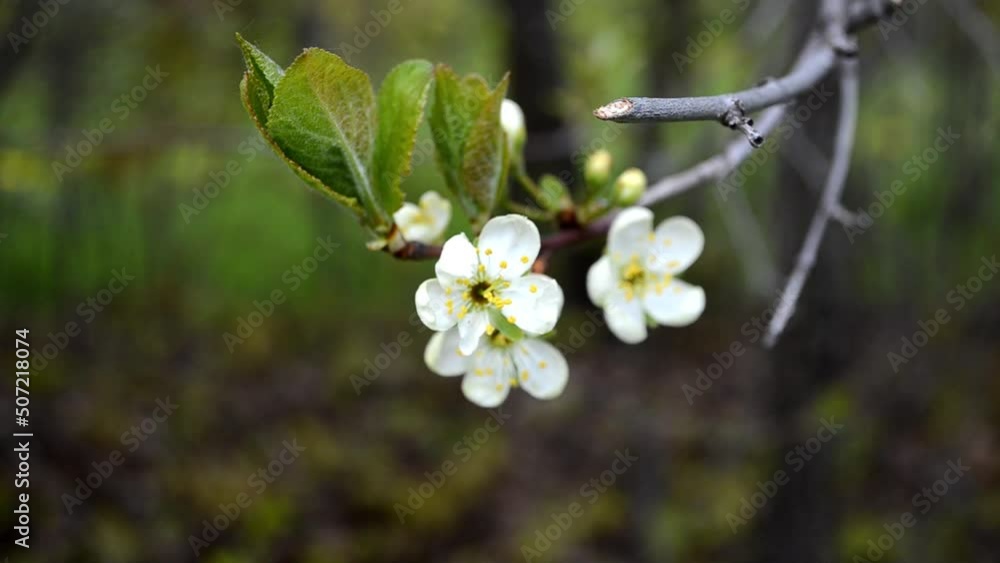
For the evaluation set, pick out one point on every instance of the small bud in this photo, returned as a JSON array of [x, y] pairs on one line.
[[512, 121], [630, 186], [597, 170]]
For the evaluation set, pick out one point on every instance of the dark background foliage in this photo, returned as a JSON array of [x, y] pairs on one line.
[[197, 275]]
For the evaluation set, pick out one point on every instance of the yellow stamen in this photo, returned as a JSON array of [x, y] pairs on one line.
[[503, 264], [673, 264], [482, 268], [542, 365], [490, 330], [524, 259], [524, 375], [489, 251], [511, 319], [533, 288]]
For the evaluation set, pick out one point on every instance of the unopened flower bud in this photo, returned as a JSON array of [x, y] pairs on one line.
[[630, 186], [597, 170], [512, 121]]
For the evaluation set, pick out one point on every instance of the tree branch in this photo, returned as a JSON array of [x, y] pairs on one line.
[[816, 61], [835, 182]]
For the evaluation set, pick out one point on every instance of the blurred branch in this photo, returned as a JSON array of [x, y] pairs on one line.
[[974, 23], [817, 59], [835, 182], [834, 14]]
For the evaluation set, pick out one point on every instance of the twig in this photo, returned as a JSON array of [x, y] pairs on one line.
[[711, 169], [835, 14], [835, 182], [714, 168], [817, 60]]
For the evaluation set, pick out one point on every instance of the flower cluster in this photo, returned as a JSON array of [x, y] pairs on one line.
[[489, 311]]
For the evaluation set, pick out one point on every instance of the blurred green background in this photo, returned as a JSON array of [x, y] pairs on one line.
[[65, 235]]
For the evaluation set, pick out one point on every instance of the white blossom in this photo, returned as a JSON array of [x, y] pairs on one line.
[[498, 364], [636, 281], [425, 222], [478, 286]]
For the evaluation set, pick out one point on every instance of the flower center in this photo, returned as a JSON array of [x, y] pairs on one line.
[[636, 280], [481, 293], [634, 273], [498, 340]]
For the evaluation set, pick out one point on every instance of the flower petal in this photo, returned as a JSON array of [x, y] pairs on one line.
[[431, 308], [541, 368], [535, 303], [678, 304], [458, 260], [488, 384], [600, 281], [470, 329], [629, 235], [408, 218], [508, 246], [678, 242], [442, 355], [437, 213], [625, 318]]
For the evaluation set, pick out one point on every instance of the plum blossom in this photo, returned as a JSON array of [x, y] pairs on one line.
[[478, 287], [635, 281], [425, 222], [498, 364]]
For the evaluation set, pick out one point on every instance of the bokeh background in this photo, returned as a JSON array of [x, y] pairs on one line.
[[196, 275]]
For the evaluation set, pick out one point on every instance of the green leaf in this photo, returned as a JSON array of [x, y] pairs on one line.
[[471, 149], [323, 119], [506, 328], [308, 178], [264, 75], [401, 102]]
